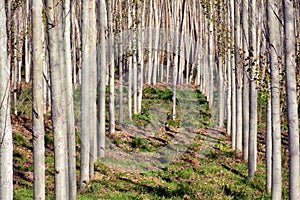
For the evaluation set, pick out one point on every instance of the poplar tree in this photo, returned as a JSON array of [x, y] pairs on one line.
[[38, 100], [274, 48], [58, 104], [291, 99], [6, 143]]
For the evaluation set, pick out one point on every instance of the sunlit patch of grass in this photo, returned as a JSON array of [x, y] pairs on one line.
[[157, 109], [221, 176], [23, 194]]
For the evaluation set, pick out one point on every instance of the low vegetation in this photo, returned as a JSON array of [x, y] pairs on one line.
[[199, 173]]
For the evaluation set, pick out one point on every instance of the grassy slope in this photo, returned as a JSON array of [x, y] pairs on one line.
[[221, 174]]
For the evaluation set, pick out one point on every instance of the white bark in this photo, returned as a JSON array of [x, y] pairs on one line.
[[56, 56], [156, 42], [239, 74], [14, 59], [211, 61], [93, 87], [135, 59], [141, 60], [6, 145], [150, 64], [291, 99], [71, 144], [129, 66], [246, 82], [111, 63], [229, 80], [175, 65], [28, 42], [221, 94], [38, 100], [274, 47], [252, 162], [85, 97], [233, 78], [101, 82], [269, 144]]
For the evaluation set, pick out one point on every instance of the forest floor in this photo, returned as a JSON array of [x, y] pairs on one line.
[[206, 168]]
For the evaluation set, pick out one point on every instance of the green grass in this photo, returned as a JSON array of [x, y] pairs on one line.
[[23, 194], [220, 175], [192, 111]]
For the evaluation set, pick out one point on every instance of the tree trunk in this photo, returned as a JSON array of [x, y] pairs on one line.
[[69, 103], [269, 143], [93, 86], [150, 64], [101, 82], [129, 65], [233, 82], [176, 51], [6, 145], [253, 91], [239, 75], [111, 63], [135, 59], [85, 96], [37, 100], [273, 48], [211, 61], [56, 55], [291, 99], [245, 37], [28, 42], [141, 60]]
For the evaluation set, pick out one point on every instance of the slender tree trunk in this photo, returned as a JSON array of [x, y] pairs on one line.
[[135, 59], [6, 142], [56, 55], [291, 99], [37, 100], [175, 65], [14, 58], [111, 71], [274, 48], [221, 94], [141, 60], [93, 86], [28, 42], [233, 79], [211, 61], [269, 144], [85, 97], [253, 91], [239, 74], [169, 26], [69, 103], [129, 65], [156, 42], [120, 64], [101, 81], [150, 64], [229, 93], [74, 44], [229, 80], [46, 75], [246, 107], [121, 99]]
